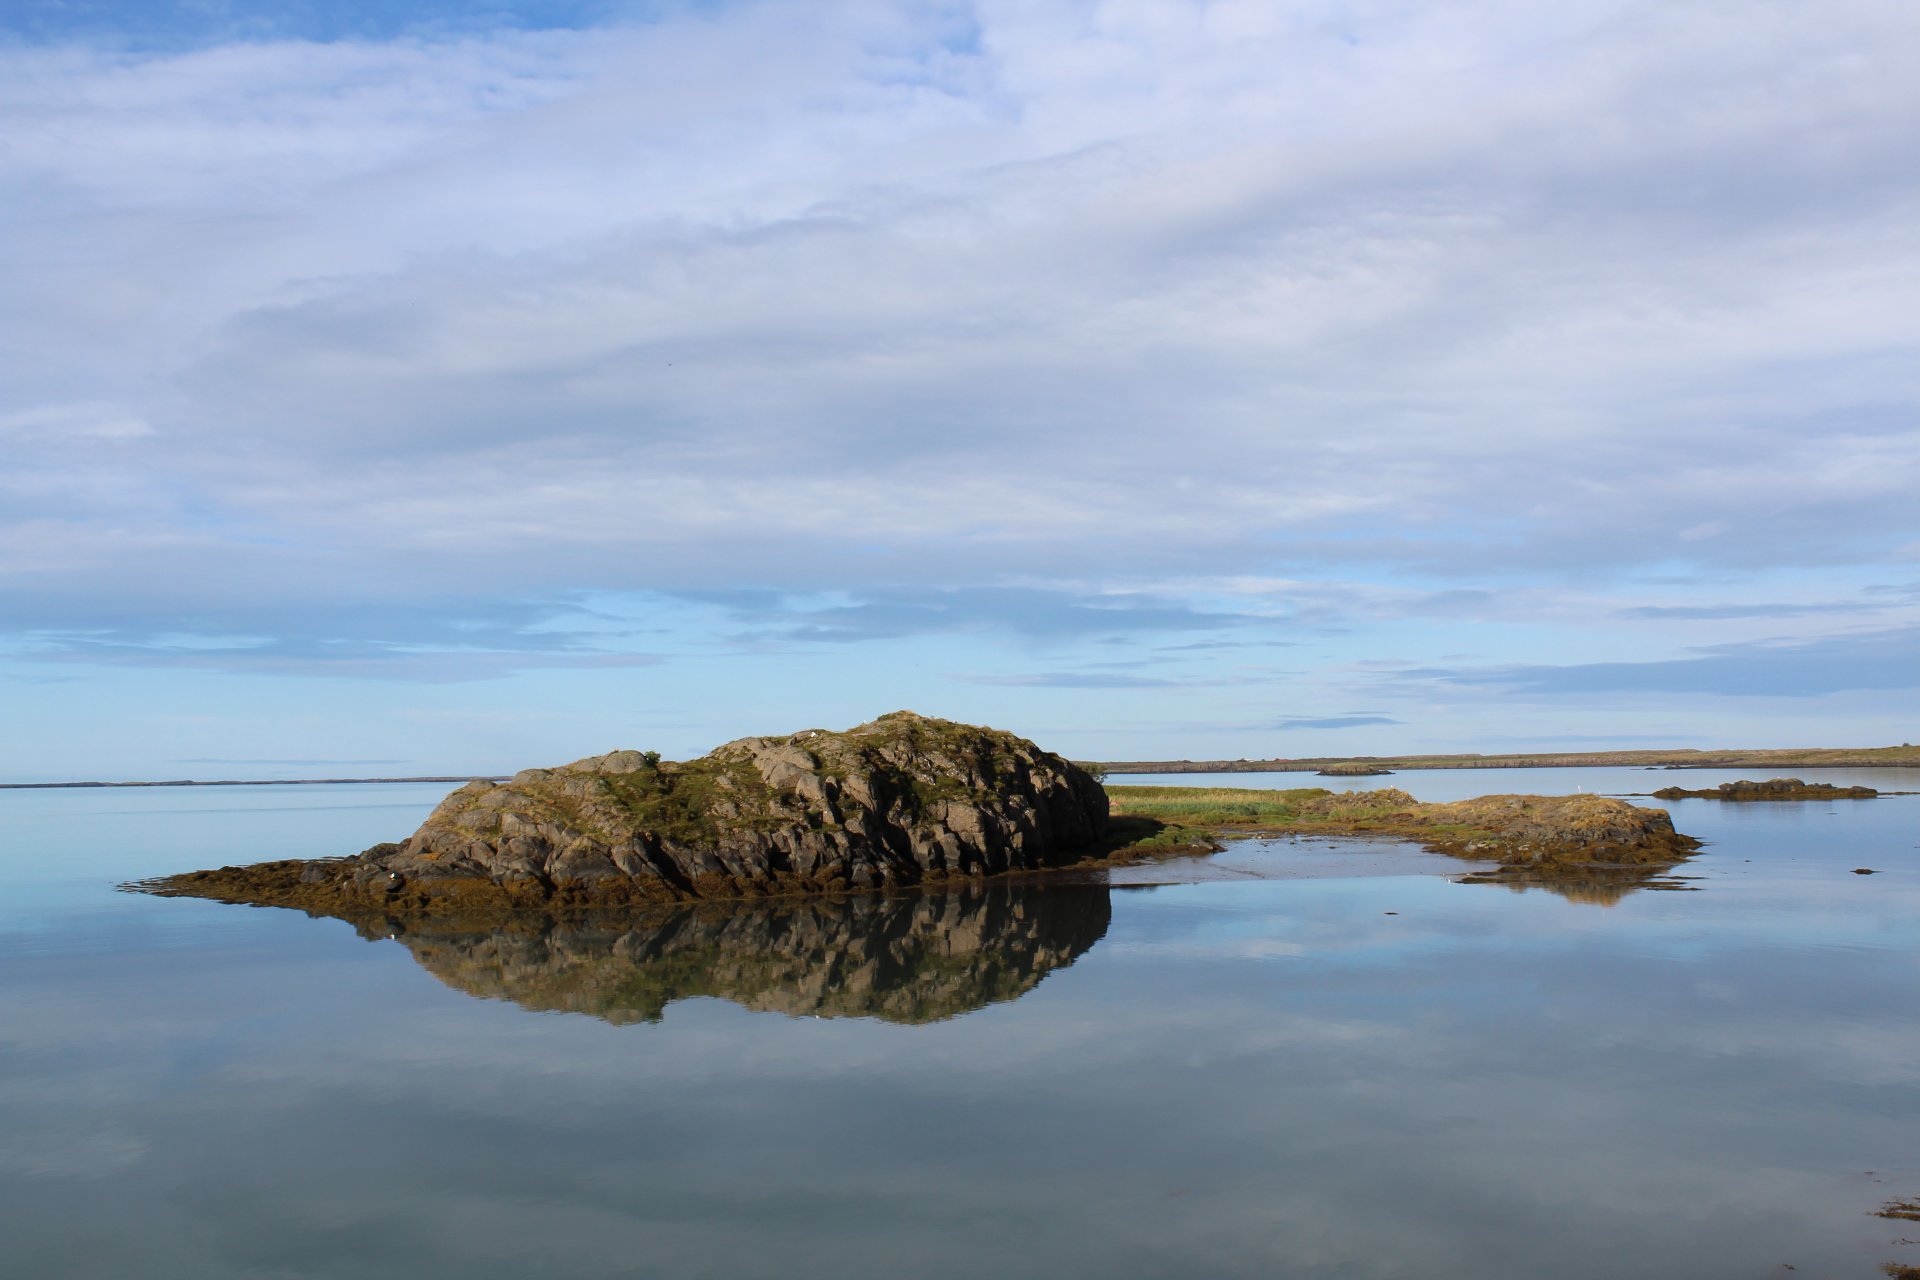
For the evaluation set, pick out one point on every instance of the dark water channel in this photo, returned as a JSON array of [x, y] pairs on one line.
[[1307, 1059]]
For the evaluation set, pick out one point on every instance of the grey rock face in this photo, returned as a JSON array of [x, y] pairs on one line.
[[903, 800]]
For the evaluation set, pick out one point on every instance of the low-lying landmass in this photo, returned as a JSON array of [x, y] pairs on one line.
[[1515, 831], [905, 801], [1904, 756], [1772, 789], [1353, 770]]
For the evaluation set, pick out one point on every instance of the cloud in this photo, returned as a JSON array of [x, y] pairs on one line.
[[1037, 613], [1333, 722], [80, 423], [1028, 326], [474, 640], [364, 662], [1722, 612], [534, 293], [1075, 680], [1879, 660], [267, 760], [186, 24]]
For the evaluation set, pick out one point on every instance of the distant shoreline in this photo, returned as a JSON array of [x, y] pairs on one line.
[[241, 782], [1903, 756]]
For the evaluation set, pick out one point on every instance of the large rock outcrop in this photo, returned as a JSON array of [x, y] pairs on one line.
[[904, 800]]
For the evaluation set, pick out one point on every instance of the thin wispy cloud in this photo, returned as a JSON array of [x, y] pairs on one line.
[[270, 760], [1332, 722], [1884, 660], [1075, 680]]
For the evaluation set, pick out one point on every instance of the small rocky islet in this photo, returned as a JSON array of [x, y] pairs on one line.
[[1771, 789], [902, 802]]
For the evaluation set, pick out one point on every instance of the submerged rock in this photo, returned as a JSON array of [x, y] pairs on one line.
[[903, 800], [1772, 789]]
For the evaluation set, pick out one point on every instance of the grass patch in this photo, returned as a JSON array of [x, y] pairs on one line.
[[1208, 807]]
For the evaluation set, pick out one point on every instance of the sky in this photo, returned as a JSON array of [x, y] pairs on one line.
[[435, 388]]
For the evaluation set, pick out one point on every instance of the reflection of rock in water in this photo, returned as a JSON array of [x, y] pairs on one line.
[[913, 958], [1600, 886]]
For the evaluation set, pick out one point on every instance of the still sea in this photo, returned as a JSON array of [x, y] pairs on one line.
[[1307, 1058]]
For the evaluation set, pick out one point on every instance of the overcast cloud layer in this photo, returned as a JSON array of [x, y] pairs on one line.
[[1155, 378]]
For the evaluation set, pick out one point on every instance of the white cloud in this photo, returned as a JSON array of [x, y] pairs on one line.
[[868, 296]]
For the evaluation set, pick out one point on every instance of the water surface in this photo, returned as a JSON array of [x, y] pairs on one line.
[[1364, 1071]]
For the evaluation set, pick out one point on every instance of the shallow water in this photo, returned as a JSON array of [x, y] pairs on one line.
[[1370, 1072]]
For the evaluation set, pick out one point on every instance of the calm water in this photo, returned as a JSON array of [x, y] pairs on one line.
[[1248, 1075]]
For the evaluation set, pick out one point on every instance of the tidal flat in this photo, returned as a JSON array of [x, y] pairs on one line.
[[1301, 1056]]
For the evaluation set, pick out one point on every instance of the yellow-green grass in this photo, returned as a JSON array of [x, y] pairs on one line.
[[1214, 806], [1172, 818]]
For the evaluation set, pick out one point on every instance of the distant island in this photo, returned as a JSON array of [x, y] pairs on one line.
[[902, 802], [1772, 789]]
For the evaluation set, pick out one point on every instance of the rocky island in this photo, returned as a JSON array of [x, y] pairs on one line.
[[903, 802], [1353, 771], [1772, 789]]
